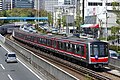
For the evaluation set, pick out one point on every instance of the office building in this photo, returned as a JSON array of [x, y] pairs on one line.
[[47, 5], [24, 4], [100, 12], [1, 5], [69, 2], [8, 4], [38, 4]]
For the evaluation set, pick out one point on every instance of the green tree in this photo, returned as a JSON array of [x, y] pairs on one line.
[[50, 20], [78, 22], [114, 30], [64, 21], [116, 10], [3, 14], [24, 12]]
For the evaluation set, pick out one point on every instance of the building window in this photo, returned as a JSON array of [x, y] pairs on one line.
[[112, 4], [94, 4]]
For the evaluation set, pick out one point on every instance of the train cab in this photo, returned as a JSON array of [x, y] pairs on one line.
[[98, 53]]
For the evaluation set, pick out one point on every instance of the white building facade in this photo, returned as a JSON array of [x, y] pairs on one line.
[[47, 5], [63, 10], [103, 11]]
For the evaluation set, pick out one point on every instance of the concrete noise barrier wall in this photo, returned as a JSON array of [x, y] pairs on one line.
[[2, 38]]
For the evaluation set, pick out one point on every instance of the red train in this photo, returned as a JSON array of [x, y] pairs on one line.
[[85, 51]]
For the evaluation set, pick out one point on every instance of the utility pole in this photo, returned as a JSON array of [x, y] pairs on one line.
[[106, 21], [83, 11], [38, 12], [73, 16], [11, 4], [78, 12]]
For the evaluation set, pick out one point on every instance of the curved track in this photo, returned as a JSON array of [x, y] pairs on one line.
[[78, 71]]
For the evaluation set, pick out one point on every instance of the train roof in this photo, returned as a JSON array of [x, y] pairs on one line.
[[62, 38]]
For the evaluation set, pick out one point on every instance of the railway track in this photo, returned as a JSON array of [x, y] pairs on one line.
[[78, 71]]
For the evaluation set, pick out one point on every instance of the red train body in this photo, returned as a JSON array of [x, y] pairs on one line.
[[90, 52]]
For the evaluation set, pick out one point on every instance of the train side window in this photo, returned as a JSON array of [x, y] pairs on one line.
[[73, 48], [47, 42], [58, 44], [78, 49], [27, 38], [32, 38], [64, 46], [54, 44], [43, 41], [68, 47], [50, 42], [82, 50], [40, 40]]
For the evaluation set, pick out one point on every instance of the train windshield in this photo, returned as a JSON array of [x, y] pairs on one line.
[[99, 49]]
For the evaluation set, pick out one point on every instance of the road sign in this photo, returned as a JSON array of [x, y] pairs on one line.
[[69, 19]]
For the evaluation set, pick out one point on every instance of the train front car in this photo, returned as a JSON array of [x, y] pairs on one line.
[[98, 54]]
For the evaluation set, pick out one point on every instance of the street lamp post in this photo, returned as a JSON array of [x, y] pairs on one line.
[[38, 12], [74, 18], [83, 11], [118, 40], [11, 4], [106, 21]]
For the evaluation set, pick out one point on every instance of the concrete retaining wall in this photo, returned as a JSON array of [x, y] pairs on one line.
[[114, 63], [2, 38]]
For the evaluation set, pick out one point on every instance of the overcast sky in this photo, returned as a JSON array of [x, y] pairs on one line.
[[61, 0]]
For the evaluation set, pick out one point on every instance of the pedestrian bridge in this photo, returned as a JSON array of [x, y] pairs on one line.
[[24, 18]]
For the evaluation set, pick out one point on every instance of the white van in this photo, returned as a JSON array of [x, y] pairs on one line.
[[10, 57], [113, 54]]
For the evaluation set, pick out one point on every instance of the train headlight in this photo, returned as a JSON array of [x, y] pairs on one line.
[[96, 56]]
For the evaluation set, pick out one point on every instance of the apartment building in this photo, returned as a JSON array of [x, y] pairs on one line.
[[1, 5]]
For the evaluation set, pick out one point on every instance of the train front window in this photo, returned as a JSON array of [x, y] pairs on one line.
[[95, 49], [100, 50]]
